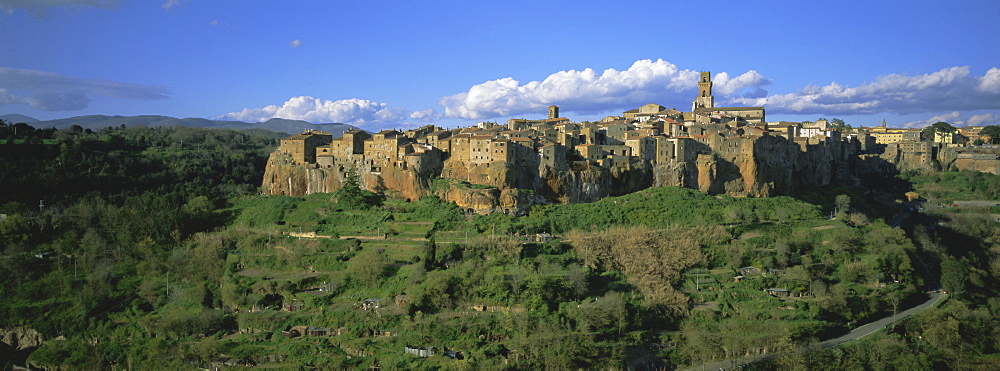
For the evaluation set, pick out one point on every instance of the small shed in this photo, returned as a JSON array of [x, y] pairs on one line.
[[294, 306], [327, 287], [777, 292], [295, 331], [423, 352], [318, 331], [544, 237]]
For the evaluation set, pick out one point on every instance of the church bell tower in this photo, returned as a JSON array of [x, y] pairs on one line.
[[705, 98]]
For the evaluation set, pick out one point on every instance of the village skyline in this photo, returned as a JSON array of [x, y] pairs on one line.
[[407, 65]]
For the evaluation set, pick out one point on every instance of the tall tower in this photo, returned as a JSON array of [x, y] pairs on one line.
[[705, 98], [553, 111]]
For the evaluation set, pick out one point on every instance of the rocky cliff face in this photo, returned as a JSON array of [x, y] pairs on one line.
[[283, 177], [984, 165], [773, 166]]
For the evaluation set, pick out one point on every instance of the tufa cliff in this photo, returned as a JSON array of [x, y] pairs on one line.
[[500, 171]]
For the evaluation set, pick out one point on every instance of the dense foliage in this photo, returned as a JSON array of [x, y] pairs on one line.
[[952, 186], [154, 250], [87, 218]]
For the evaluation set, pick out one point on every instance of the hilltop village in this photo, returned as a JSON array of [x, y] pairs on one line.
[[509, 167]]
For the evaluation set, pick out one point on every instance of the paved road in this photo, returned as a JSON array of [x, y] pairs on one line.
[[868, 329]]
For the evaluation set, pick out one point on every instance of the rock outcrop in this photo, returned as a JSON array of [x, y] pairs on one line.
[[21, 338]]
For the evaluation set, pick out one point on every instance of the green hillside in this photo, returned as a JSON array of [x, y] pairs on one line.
[[148, 253]]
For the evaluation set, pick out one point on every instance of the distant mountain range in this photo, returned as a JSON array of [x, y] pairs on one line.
[[95, 122], [15, 118]]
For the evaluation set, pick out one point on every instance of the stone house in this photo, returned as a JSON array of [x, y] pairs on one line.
[[614, 134], [643, 147], [554, 156], [302, 147], [420, 132], [590, 152]]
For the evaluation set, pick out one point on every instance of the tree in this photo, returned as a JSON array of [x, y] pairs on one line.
[[367, 268], [14, 228], [578, 277], [199, 211], [856, 219], [436, 293], [993, 132], [954, 275], [843, 203], [350, 196], [839, 124], [430, 255], [940, 127], [895, 297]]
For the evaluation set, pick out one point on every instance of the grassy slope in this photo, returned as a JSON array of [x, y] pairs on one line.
[[303, 264]]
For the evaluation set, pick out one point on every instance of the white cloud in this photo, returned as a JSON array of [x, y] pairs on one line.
[[170, 4], [951, 88], [8, 98], [952, 118], [956, 118], [358, 112], [65, 101], [218, 23], [295, 44], [984, 119], [724, 86], [425, 115], [54, 92], [589, 91], [40, 7], [990, 83]]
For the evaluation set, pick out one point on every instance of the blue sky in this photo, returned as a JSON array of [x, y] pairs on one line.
[[399, 64]]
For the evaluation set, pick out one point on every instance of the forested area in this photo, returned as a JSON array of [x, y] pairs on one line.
[[85, 216], [152, 249]]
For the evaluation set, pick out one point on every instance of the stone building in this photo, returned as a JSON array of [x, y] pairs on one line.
[[302, 147]]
